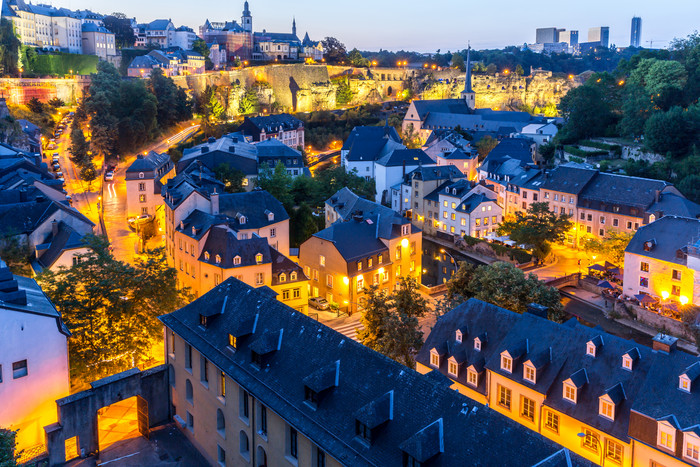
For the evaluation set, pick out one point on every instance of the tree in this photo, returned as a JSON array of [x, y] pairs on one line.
[[485, 145], [637, 107], [356, 59], [505, 285], [120, 25], [173, 103], [458, 285], [673, 132], [55, 103], [250, 102], [16, 253], [690, 187], [88, 173], [537, 227], [79, 147], [200, 46], [35, 105], [586, 111], [8, 444], [277, 182], [302, 225], [9, 48], [612, 247], [519, 70], [112, 308], [391, 324], [335, 51], [232, 178], [458, 61]]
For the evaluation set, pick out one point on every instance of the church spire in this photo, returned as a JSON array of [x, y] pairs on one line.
[[468, 93], [294, 26], [468, 78]]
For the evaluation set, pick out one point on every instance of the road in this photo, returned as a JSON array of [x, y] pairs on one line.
[[324, 160], [110, 194], [124, 240]]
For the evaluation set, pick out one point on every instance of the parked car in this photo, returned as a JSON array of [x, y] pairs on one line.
[[109, 176], [319, 303], [56, 167], [55, 158], [59, 174], [51, 146]]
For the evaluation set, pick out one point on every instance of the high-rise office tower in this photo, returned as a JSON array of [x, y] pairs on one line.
[[546, 35], [600, 34], [636, 34]]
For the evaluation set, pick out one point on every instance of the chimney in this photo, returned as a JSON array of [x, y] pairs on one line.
[[537, 310], [54, 227], [215, 203], [657, 195], [664, 343], [23, 195]]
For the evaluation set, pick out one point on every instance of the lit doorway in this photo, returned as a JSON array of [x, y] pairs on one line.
[[121, 421]]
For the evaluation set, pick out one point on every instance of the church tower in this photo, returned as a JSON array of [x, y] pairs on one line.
[[294, 26], [468, 93], [247, 19]]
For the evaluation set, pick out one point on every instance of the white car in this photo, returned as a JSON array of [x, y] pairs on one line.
[[109, 176]]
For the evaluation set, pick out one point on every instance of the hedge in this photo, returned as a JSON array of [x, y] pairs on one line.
[[62, 64]]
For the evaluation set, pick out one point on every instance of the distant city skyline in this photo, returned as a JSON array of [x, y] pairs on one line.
[[422, 29]]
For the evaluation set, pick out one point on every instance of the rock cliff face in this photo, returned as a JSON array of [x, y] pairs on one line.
[[304, 88]]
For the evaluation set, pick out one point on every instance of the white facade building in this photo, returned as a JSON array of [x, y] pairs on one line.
[[33, 359]]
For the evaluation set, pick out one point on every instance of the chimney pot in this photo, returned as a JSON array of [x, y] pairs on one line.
[[664, 343]]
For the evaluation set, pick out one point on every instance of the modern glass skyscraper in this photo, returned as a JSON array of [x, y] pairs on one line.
[[636, 35]]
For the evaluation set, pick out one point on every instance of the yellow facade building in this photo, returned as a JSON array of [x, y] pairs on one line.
[[591, 392]]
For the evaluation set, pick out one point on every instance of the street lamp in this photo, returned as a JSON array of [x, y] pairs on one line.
[[598, 443]]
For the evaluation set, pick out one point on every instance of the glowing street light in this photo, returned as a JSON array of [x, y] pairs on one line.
[[665, 295], [683, 299], [404, 242]]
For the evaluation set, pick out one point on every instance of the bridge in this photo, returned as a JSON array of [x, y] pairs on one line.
[[564, 281]]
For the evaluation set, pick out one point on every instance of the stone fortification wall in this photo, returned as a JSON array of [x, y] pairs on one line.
[[20, 91]]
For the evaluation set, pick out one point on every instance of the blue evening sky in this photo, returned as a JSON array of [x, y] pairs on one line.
[[424, 25]]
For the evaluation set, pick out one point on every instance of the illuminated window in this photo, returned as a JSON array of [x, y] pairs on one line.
[[606, 409], [259, 258], [570, 393], [259, 278], [644, 267], [590, 440], [329, 281], [285, 294], [477, 344], [236, 260], [452, 368], [504, 396], [626, 362], [360, 283], [684, 383], [434, 359], [676, 275], [551, 421], [282, 277], [613, 451], [322, 260], [293, 276], [472, 378], [692, 447], [529, 373], [675, 290], [666, 437], [527, 409], [506, 364], [590, 349]]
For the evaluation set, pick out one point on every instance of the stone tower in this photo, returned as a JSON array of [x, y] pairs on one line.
[[247, 19], [468, 93]]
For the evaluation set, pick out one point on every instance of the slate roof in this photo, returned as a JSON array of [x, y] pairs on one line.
[[670, 204], [149, 163], [367, 142], [568, 179], [282, 264], [440, 172], [418, 402], [158, 25], [273, 150], [144, 62], [399, 157], [195, 179], [273, 123], [224, 243], [662, 397], [92, 27], [515, 148], [451, 136], [473, 201], [345, 203], [24, 295], [354, 239], [66, 239], [276, 37], [24, 218], [621, 189], [566, 343], [457, 154], [483, 320], [253, 205], [669, 234]]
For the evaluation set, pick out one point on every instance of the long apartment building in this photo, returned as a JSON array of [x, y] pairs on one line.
[[363, 244], [253, 383], [597, 202], [607, 399]]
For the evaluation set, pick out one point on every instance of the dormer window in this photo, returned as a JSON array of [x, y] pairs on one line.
[[606, 409], [458, 335], [206, 256], [452, 367], [242, 220], [310, 396], [194, 230], [293, 276], [271, 216], [202, 320], [141, 175], [590, 349], [406, 229], [283, 277], [472, 377], [569, 393], [435, 358], [362, 431], [259, 258], [232, 341], [627, 362], [477, 344], [529, 373], [506, 363], [236, 260], [182, 225], [666, 437], [684, 383], [217, 259]]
